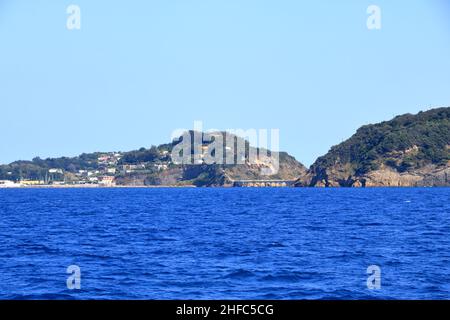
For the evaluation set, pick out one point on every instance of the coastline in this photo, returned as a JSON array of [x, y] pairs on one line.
[[87, 186]]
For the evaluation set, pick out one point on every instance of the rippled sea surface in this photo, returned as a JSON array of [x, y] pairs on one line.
[[186, 243]]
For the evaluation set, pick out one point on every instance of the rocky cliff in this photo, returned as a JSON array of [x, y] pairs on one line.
[[409, 150]]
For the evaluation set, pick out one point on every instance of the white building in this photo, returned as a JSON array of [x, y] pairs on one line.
[[55, 171], [161, 166], [8, 184], [111, 170]]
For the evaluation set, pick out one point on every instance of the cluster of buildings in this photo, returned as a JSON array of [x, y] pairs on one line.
[[103, 175], [107, 169]]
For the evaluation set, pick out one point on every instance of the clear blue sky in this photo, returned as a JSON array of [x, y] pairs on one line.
[[139, 69]]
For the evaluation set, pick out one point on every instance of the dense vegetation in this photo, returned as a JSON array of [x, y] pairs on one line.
[[139, 156], [405, 142], [37, 169]]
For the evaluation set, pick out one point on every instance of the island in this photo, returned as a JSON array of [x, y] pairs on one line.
[[407, 151]]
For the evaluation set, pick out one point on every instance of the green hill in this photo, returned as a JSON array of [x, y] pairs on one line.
[[406, 151]]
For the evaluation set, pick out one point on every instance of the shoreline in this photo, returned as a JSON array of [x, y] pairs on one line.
[[87, 186]]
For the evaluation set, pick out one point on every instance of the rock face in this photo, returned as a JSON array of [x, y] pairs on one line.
[[410, 150], [428, 176], [213, 175]]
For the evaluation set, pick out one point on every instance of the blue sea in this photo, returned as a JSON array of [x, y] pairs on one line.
[[219, 243]]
